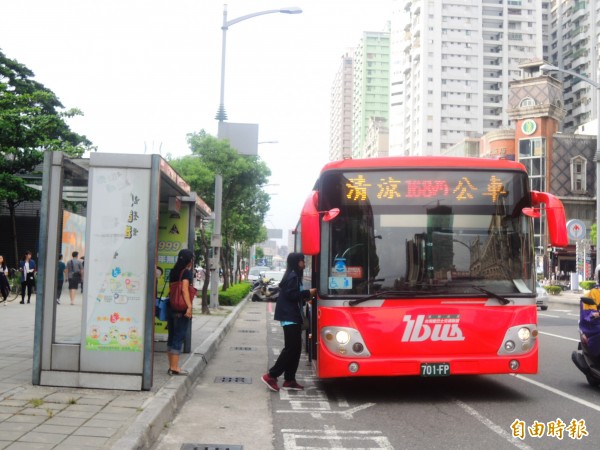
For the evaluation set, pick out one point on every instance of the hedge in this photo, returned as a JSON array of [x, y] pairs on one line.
[[235, 294], [586, 285], [554, 290]]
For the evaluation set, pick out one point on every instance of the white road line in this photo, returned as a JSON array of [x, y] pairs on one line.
[[558, 336], [559, 392], [492, 426], [549, 315]]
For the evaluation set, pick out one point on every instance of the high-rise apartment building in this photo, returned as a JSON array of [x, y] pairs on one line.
[[451, 66], [371, 86], [573, 43], [340, 116]]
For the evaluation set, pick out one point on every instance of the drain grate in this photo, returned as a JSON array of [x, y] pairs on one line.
[[238, 380], [243, 349], [248, 331], [254, 312], [211, 447], [252, 320]]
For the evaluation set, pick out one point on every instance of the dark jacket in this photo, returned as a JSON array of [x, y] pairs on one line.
[[290, 299], [22, 267]]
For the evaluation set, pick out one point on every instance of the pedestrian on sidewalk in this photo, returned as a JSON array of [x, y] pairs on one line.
[[178, 323], [27, 268], [4, 285], [82, 271], [74, 272], [60, 277], [288, 310]]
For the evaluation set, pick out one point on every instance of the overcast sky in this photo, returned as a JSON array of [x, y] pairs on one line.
[[147, 72]]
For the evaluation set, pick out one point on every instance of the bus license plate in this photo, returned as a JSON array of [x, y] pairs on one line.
[[435, 369]]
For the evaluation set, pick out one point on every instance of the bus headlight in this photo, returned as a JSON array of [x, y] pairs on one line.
[[345, 342], [519, 340], [524, 334], [342, 337]]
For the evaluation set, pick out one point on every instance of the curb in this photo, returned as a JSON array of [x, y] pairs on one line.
[[162, 408]]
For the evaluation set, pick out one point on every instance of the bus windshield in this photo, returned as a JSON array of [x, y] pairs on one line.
[[414, 232]]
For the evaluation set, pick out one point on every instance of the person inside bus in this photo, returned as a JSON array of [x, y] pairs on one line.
[[288, 310]]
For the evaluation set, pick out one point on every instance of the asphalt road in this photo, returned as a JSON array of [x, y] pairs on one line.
[[551, 410]]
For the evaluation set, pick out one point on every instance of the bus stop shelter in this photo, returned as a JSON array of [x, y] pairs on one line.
[[138, 213]]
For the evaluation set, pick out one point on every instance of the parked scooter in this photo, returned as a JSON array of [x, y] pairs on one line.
[[265, 290], [588, 361]]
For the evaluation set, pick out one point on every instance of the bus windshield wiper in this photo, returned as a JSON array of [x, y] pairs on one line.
[[384, 293], [503, 300]]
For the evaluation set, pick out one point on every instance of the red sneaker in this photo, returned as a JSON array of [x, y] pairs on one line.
[[292, 386], [270, 382]]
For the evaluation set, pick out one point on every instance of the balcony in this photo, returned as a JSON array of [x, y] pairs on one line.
[[579, 10]]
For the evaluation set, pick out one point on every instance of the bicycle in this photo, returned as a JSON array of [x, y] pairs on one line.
[[14, 282]]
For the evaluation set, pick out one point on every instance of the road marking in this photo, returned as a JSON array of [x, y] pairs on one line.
[[297, 407], [558, 336], [335, 439], [549, 315], [559, 392], [491, 425]]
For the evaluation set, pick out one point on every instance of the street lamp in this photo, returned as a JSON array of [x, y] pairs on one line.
[[596, 84], [221, 114]]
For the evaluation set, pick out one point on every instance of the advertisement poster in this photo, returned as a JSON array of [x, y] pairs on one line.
[[172, 237], [116, 260], [73, 235]]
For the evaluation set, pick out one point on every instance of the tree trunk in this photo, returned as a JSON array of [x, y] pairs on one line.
[[224, 266]]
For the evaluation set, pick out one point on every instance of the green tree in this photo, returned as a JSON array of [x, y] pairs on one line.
[[32, 121], [244, 203], [259, 253]]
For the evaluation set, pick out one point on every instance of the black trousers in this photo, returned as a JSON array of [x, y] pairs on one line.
[[59, 285], [289, 358], [28, 284]]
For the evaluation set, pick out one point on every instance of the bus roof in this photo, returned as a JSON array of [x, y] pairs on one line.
[[423, 162]]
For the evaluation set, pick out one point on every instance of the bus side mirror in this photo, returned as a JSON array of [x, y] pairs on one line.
[[331, 214], [555, 216], [310, 226], [532, 212]]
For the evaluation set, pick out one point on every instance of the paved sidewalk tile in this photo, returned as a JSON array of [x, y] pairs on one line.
[[59, 418]]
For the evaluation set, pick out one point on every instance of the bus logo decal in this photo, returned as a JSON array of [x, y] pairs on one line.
[[433, 327]]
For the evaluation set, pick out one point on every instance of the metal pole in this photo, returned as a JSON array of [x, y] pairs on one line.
[[216, 244], [221, 114], [596, 85]]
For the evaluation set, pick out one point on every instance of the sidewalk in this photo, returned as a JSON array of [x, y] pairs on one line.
[[45, 417], [566, 298]]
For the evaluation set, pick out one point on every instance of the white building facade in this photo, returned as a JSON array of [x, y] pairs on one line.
[[340, 115], [573, 43], [451, 62]]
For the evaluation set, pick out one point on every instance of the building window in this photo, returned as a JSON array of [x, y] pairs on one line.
[[527, 101], [578, 172], [532, 154]]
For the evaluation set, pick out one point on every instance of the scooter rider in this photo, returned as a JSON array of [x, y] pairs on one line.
[[589, 325]]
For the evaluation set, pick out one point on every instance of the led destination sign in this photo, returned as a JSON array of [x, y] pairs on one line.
[[415, 187]]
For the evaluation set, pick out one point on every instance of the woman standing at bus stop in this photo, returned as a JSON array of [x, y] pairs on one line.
[[179, 322], [288, 311]]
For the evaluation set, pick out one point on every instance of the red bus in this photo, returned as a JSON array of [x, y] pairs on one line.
[[424, 266]]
